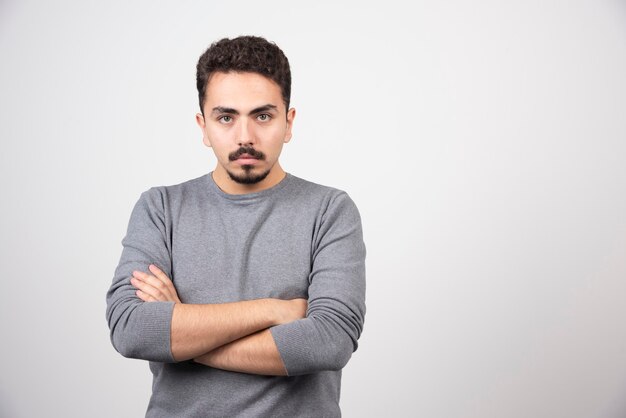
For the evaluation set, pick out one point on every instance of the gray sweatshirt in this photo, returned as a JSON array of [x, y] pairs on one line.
[[296, 239]]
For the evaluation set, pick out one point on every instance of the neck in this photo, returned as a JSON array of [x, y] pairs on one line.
[[228, 185]]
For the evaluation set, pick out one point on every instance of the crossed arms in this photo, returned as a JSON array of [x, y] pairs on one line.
[[263, 336], [230, 336]]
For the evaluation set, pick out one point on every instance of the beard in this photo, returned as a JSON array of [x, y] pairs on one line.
[[248, 176]]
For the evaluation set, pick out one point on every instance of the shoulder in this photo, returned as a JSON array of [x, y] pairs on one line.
[[337, 218], [328, 199], [175, 193], [314, 190]]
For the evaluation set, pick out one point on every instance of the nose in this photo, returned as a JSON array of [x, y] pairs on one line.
[[246, 133]]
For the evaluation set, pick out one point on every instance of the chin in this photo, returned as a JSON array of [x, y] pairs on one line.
[[248, 175]]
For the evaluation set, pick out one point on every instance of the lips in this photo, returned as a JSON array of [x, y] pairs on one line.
[[246, 160], [246, 157]]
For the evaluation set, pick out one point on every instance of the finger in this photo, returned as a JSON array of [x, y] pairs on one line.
[[169, 288], [159, 274], [151, 280], [160, 290], [148, 289], [144, 296]]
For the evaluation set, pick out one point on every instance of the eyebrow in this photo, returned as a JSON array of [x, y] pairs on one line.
[[230, 110]]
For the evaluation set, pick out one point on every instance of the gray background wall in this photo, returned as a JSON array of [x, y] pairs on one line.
[[484, 143]]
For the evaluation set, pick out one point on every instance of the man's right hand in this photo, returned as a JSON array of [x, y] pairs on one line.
[[154, 287]]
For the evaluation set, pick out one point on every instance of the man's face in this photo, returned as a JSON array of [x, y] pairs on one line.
[[246, 124]]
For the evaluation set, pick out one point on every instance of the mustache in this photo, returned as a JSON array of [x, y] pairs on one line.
[[246, 150]]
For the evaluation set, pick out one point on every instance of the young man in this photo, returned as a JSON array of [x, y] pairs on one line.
[[245, 287]]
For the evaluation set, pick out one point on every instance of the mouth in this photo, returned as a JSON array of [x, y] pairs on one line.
[[246, 159]]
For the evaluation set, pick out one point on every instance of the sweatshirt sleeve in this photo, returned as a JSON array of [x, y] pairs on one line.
[[140, 329], [327, 337]]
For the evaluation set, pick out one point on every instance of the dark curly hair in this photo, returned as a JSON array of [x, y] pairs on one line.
[[244, 54]]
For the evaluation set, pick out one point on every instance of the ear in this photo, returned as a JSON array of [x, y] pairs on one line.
[[202, 125], [291, 114]]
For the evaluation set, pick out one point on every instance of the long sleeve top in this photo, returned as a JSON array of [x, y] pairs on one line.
[[296, 239]]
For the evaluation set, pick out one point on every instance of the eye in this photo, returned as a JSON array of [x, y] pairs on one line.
[[225, 119], [264, 117]]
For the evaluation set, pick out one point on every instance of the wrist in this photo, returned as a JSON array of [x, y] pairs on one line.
[[286, 311], [275, 310]]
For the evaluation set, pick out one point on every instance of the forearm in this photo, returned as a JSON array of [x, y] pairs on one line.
[[327, 337], [254, 354], [198, 329]]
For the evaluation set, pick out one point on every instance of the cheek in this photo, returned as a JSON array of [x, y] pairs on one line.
[[274, 136], [275, 149], [220, 138]]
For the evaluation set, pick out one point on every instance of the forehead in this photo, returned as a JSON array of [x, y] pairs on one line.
[[240, 90]]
